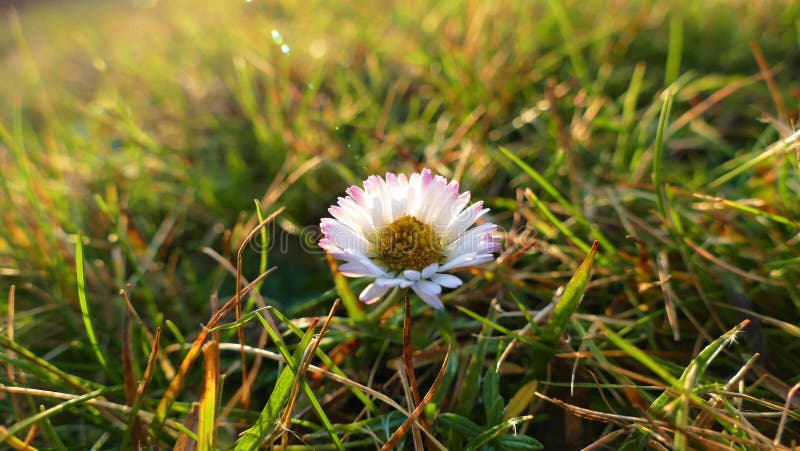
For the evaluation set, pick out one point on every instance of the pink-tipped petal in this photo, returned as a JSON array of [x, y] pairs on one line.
[[362, 267], [372, 293]]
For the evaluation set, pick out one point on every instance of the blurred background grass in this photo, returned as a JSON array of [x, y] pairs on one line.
[[152, 126]]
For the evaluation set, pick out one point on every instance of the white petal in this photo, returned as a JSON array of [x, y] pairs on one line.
[[472, 240], [343, 237], [453, 208], [410, 274], [359, 196], [468, 259], [351, 214], [372, 293], [395, 282], [430, 270], [427, 292], [437, 198], [464, 220], [361, 267], [447, 280]]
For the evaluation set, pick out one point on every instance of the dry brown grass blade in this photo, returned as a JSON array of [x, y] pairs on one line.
[[408, 359], [173, 425], [166, 365], [232, 270], [659, 429], [138, 435], [245, 399], [280, 183], [408, 353], [704, 419], [184, 442], [206, 431], [31, 435], [129, 380], [767, 75], [336, 378], [412, 417], [785, 414], [603, 441], [302, 369], [730, 268], [669, 295], [177, 382], [712, 100], [14, 442]]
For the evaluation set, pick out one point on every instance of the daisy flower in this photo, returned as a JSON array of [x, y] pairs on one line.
[[407, 232]]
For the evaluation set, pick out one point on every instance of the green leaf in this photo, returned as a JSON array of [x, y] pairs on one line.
[[460, 424], [492, 402], [494, 411], [570, 299], [518, 443]]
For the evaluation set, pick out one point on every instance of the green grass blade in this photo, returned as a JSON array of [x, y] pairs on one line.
[[85, 312], [569, 234], [504, 330], [628, 116], [570, 299], [331, 365], [552, 191], [468, 392], [24, 424], [50, 432], [496, 431], [698, 366], [640, 356], [658, 157], [570, 41], [270, 415], [675, 49]]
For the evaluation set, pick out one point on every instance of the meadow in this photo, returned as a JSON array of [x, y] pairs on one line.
[[164, 166]]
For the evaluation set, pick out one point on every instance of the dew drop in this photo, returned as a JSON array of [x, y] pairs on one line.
[[285, 49], [276, 37]]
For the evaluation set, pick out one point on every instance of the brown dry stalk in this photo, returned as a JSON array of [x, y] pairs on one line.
[[403, 429]]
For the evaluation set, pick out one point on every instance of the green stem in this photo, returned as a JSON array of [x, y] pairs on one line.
[[390, 300]]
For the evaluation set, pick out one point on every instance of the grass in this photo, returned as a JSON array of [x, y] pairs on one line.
[[149, 302]]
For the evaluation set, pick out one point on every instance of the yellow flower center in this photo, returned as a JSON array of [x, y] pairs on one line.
[[408, 243]]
